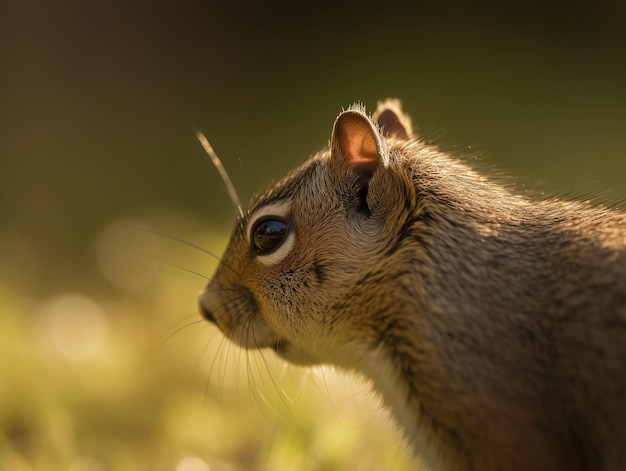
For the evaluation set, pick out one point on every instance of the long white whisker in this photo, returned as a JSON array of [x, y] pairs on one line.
[[222, 171]]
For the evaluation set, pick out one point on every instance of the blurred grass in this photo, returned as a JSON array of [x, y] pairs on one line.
[[104, 362]]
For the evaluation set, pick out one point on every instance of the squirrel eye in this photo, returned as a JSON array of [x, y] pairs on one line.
[[268, 235]]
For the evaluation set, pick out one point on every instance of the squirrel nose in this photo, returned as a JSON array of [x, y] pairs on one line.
[[208, 315]]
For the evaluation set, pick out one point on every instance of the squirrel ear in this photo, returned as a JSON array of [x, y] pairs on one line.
[[392, 120], [356, 144]]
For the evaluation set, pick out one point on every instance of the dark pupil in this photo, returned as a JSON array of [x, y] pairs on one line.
[[268, 235]]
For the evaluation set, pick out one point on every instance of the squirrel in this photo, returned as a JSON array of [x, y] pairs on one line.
[[492, 324]]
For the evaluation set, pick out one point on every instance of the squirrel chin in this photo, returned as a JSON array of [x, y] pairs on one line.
[[287, 352]]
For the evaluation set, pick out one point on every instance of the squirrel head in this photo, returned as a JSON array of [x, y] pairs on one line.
[[312, 258]]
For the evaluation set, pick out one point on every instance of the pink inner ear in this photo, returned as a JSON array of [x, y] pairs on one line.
[[391, 124], [357, 141]]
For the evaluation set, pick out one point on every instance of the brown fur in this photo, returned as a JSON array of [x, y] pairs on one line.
[[494, 326]]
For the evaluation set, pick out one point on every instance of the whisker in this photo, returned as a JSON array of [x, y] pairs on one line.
[[241, 179], [179, 240], [220, 287], [284, 397], [188, 270], [252, 392], [184, 242], [224, 346], [242, 326], [161, 344], [208, 378], [178, 267], [202, 352], [328, 394], [229, 344], [246, 327], [220, 348], [222, 171]]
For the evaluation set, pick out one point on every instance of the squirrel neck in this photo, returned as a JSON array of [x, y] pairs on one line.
[[460, 402], [449, 338]]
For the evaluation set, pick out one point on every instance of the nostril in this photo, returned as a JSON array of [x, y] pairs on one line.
[[208, 315]]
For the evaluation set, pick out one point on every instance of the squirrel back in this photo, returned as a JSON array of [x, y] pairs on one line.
[[493, 325]]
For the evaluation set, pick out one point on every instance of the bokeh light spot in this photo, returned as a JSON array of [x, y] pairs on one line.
[[76, 326], [192, 463]]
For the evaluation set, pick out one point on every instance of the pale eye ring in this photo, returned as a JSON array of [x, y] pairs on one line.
[[271, 233], [268, 234]]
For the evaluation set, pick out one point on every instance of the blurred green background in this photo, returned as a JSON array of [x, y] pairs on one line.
[[104, 363]]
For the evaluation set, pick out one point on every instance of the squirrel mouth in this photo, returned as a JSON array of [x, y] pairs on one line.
[[286, 351], [280, 347]]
